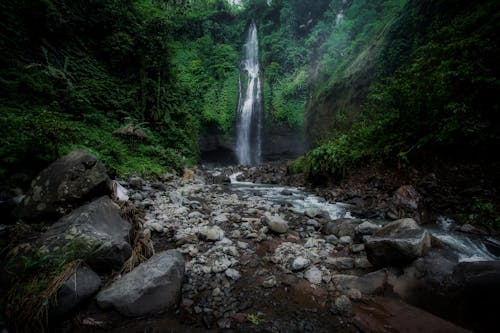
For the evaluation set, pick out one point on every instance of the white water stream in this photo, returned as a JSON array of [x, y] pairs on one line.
[[468, 247]]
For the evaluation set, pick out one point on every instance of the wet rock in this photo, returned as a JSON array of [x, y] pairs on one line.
[[397, 244], [314, 223], [300, 263], [153, 286], [314, 275], [354, 294], [342, 306], [64, 185], [471, 229], [77, 288], [312, 212], [98, 223], [276, 223]]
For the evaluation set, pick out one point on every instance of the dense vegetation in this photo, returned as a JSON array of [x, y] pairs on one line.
[[137, 82], [434, 91]]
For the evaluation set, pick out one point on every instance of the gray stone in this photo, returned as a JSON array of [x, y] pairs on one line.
[[397, 244], [341, 263], [370, 283], [300, 263], [176, 198], [357, 248], [367, 228], [212, 233], [343, 306], [77, 288], [233, 274], [151, 287], [276, 223], [341, 227], [362, 263], [64, 185], [270, 282], [345, 240], [136, 182], [220, 219], [332, 239], [313, 275], [98, 223], [312, 212], [314, 223]]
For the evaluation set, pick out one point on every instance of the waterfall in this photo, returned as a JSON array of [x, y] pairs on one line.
[[249, 126]]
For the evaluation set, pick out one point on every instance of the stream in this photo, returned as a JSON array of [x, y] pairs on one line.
[[468, 247]]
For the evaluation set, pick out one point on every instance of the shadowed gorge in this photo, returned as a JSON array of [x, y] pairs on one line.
[[249, 166]]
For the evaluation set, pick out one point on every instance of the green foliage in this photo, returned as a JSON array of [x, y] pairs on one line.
[[484, 213], [255, 319]]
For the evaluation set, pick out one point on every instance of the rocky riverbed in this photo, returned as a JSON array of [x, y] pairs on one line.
[[220, 252]]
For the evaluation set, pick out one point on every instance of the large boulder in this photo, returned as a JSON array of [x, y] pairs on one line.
[[99, 225], [76, 289], [151, 287], [368, 284], [408, 203], [64, 185], [397, 244]]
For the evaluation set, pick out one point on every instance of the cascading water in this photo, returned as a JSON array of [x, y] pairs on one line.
[[249, 127]]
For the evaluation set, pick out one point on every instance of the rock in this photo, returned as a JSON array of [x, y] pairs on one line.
[[367, 228], [368, 284], [196, 205], [362, 263], [233, 274], [471, 229], [357, 248], [332, 239], [341, 227], [342, 306], [314, 223], [276, 223], [220, 219], [212, 234], [300, 263], [312, 212], [345, 240], [98, 223], [341, 263], [136, 182], [63, 185], [313, 275], [77, 288], [407, 202], [270, 282], [397, 244], [151, 287], [354, 294], [176, 198]]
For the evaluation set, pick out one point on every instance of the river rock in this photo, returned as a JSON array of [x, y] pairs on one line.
[[368, 284], [77, 288], [342, 306], [99, 223], [397, 244], [212, 234], [367, 228], [407, 203], [300, 263], [151, 287], [64, 185], [341, 227], [276, 223], [313, 275], [341, 263]]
